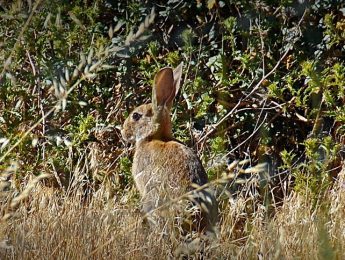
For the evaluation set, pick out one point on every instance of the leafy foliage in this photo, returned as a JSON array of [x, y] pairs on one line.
[[262, 80]]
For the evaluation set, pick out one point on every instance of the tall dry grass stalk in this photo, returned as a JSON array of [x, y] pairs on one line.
[[53, 225]]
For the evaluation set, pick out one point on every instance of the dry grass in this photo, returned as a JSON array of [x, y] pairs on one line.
[[52, 225]]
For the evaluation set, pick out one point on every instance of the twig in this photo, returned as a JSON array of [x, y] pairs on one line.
[[214, 127], [20, 36], [250, 136]]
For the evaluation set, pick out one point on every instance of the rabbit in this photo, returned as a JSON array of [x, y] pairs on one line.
[[164, 168]]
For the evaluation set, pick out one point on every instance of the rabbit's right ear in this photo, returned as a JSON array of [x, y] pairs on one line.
[[163, 91], [177, 77]]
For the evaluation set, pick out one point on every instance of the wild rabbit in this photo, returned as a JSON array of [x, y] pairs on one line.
[[163, 168]]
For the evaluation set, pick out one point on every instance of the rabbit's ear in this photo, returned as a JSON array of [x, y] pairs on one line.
[[163, 91], [177, 77]]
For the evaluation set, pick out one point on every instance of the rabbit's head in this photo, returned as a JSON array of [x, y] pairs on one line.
[[152, 121]]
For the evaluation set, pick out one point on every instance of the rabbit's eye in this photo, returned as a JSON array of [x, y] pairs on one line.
[[136, 116]]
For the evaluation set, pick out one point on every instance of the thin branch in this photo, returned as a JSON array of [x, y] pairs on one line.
[[250, 136], [19, 38]]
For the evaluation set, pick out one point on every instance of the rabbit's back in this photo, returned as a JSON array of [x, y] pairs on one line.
[[170, 163]]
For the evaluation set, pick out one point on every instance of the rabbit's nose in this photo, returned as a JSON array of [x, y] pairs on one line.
[[125, 136]]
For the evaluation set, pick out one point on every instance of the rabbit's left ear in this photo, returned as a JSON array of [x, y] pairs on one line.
[[166, 86]]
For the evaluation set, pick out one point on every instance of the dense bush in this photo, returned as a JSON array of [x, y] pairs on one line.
[[262, 81]]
